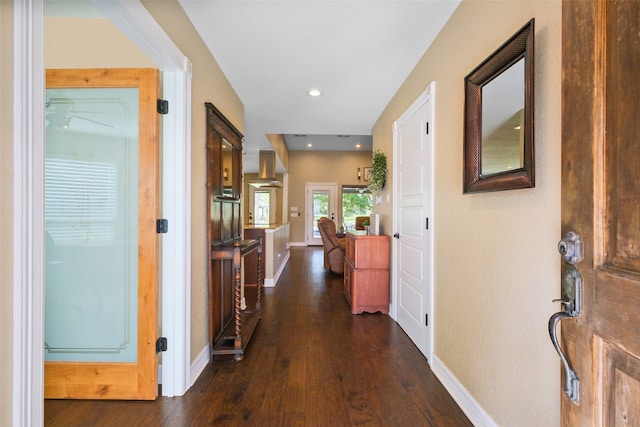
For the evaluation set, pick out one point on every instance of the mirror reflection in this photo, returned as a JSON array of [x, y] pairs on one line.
[[499, 119], [227, 168], [503, 122]]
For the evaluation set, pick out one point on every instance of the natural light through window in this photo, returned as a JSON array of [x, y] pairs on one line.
[[261, 207], [356, 201]]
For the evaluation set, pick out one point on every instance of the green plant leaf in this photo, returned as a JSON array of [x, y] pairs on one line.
[[378, 172]]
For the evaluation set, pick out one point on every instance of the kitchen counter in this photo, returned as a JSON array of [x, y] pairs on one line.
[[275, 244]]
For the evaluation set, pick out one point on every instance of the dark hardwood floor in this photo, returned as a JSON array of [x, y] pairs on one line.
[[310, 363]]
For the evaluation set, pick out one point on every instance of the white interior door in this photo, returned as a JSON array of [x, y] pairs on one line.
[[321, 200], [413, 203]]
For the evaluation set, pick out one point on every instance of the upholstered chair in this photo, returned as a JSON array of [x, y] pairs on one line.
[[333, 247]]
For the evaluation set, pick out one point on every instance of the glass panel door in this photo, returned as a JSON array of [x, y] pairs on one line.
[[91, 225], [321, 201], [320, 208], [101, 253], [262, 207]]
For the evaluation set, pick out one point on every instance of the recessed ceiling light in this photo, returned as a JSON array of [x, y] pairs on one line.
[[314, 92]]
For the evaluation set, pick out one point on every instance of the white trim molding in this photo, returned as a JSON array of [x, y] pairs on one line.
[[199, 363], [176, 244], [28, 214], [135, 21], [272, 282], [477, 415]]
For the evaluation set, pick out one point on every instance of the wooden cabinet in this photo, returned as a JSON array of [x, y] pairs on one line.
[[229, 327], [236, 336], [366, 272]]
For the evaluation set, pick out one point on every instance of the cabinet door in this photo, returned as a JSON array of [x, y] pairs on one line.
[[371, 252], [348, 281], [370, 291]]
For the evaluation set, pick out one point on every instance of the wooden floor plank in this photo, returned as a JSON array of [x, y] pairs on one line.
[[309, 363]]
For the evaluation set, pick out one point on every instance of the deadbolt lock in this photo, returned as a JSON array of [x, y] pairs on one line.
[[570, 247]]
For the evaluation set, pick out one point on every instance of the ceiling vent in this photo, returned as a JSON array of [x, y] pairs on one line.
[[266, 171]]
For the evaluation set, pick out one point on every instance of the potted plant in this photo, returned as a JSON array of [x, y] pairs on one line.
[[378, 172]]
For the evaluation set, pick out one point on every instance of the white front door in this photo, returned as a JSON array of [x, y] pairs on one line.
[[321, 200], [413, 204]]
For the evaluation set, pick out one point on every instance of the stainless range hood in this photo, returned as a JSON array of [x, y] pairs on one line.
[[266, 171]]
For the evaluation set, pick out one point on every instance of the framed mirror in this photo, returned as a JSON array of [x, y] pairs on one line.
[[498, 125]]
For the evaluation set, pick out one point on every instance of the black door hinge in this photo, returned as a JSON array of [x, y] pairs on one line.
[[162, 226], [427, 127], [163, 106], [426, 319], [161, 345], [426, 223]]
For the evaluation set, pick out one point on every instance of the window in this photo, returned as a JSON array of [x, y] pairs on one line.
[[262, 201], [80, 201], [356, 201]]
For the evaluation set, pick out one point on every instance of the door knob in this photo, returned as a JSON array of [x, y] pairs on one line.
[[397, 235], [571, 381]]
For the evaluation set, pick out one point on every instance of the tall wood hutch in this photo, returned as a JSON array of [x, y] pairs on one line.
[[230, 328]]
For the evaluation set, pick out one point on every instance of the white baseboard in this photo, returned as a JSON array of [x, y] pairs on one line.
[[477, 415], [199, 363], [271, 283], [297, 244]]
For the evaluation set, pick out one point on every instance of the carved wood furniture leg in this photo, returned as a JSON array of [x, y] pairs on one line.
[[236, 301], [260, 279]]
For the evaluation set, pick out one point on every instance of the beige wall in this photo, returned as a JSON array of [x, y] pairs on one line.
[[209, 84], [496, 264], [89, 43], [6, 212], [320, 166]]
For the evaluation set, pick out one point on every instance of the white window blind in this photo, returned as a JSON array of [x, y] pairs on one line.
[[80, 201]]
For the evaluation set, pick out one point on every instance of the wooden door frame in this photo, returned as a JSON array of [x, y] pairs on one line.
[[28, 194], [422, 99], [137, 380]]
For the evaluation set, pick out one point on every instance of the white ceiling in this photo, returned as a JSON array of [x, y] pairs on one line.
[[357, 52]]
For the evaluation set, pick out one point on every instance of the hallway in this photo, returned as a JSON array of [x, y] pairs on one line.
[[310, 363]]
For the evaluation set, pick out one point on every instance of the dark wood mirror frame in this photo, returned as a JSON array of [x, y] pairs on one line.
[[519, 46]]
